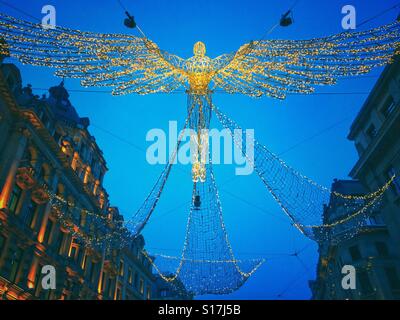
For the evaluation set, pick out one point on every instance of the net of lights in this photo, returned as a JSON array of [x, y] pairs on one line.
[[353, 205], [273, 68]]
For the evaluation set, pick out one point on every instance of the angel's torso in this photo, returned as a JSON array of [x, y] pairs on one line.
[[199, 69]]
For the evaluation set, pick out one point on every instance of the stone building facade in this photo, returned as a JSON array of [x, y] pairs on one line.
[[46, 147], [376, 134], [373, 249], [368, 248]]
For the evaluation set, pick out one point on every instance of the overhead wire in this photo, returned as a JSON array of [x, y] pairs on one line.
[[359, 25], [378, 15], [19, 10]]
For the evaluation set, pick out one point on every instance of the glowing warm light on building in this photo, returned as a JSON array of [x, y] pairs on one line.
[[31, 285], [87, 174], [32, 273], [41, 233], [6, 192]]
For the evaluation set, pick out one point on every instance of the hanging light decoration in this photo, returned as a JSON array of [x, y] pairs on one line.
[[274, 68]]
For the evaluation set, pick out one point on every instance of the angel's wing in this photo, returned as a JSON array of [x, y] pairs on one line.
[[126, 63], [279, 67]]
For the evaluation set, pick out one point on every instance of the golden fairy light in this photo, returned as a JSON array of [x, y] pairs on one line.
[[275, 68], [130, 64]]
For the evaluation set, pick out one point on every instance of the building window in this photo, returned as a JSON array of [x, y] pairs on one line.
[[130, 276], [92, 273], [16, 261], [136, 281], [393, 278], [371, 132], [84, 261], [388, 108], [141, 286], [164, 293], [14, 199], [59, 243], [110, 287], [81, 174], [103, 279], [47, 233], [382, 249], [38, 276], [45, 119], [2, 244], [121, 268], [365, 283], [355, 253], [44, 174], [83, 219], [119, 294], [31, 212], [396, 183], [73, 252]]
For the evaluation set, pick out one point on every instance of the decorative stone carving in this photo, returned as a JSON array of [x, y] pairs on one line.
[[25, 178], [40, 195]]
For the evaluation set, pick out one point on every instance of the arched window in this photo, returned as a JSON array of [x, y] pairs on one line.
[[31, 213], [15, 199], [30, 157], [60, 190], [45, 173]]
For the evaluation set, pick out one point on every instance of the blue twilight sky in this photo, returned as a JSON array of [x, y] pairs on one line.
[[309, 131]]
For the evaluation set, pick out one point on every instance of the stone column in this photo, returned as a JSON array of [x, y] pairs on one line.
[[26, 198], [100, 285], [12, 168], [33, 271], [47, 209]]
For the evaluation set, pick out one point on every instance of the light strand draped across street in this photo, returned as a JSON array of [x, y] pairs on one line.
[[275, 68], [303, 200], [207, 264]]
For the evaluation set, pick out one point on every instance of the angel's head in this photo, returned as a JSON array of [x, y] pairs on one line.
[[199, 49]]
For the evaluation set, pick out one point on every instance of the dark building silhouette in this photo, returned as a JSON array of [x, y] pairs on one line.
[[373, 248]]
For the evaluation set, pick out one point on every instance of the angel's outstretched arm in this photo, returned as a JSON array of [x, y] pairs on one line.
[[279, 67], [128, 64]]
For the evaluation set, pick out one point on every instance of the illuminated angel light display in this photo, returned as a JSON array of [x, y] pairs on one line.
[[128, 64]]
